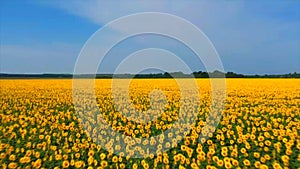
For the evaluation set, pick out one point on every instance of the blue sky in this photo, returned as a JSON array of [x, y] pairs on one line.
[[251, 37]]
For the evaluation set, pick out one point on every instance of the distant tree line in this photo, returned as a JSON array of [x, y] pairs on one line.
[[215, 74], [199, 74]]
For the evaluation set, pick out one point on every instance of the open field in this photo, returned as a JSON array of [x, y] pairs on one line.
[[259, 128]]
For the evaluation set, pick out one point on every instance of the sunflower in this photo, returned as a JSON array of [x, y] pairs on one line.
[[12, 165], [66, 164]]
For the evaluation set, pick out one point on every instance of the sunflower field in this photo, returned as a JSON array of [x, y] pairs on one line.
[[40, 127]]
